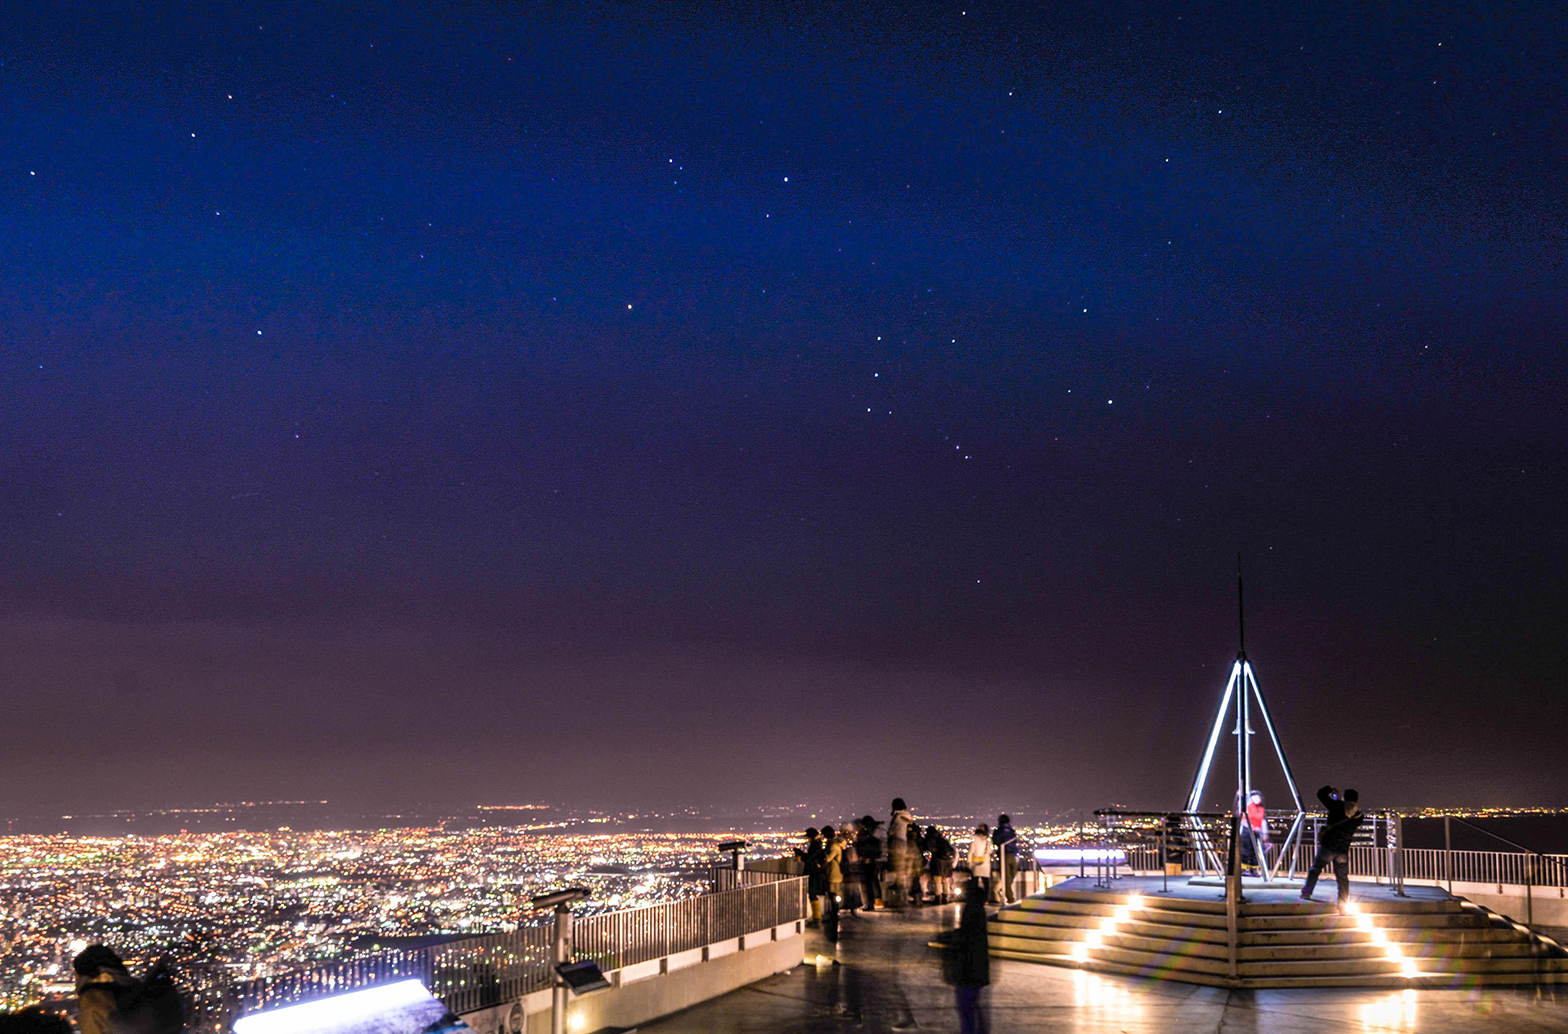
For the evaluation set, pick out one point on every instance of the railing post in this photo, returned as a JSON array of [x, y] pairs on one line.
[[1399, 853], [1448, 854], [1233, 899], [1529, 897], [1080, 845], [561, 952]]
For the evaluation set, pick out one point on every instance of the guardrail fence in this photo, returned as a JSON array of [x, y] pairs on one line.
[[471, 973], [1150, 839]]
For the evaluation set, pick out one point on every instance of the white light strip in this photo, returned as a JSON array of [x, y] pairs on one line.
[[1073, 855], [335, 1011], [1268, 723], [1214, 739]]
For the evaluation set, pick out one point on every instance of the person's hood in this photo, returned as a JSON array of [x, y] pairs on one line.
[[1352, 809]]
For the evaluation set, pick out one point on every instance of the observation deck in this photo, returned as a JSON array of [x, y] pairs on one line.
[[890, 980], [1132, 947]]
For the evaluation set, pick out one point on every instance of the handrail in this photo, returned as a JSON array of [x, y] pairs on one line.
[[1119, 813], [1516, 846]]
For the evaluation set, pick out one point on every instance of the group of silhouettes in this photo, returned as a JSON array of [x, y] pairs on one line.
[[869, 865]]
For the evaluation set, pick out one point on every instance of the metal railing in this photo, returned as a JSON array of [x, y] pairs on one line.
[[472, 973], [1377, 853]]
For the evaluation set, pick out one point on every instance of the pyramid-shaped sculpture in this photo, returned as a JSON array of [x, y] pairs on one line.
[[1241, 695]]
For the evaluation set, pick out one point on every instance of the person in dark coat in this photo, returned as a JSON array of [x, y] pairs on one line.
[[1005, 867], [814, 864], [940, 850], [101, 982], [973, 962], [111, 1001], [1344, 818], [868, 846]]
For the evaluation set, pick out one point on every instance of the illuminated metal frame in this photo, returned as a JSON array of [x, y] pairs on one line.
[[1243, 688]]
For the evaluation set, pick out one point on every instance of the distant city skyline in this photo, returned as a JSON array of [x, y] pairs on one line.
[[646, 406]]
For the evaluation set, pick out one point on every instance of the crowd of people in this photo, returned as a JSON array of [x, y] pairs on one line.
[[868, 864]]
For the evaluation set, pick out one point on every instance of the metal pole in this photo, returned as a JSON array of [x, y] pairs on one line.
[[1529, 896], [1399, 852], [562, 953], [1080, 844], [1246, 730], [1165, 865], [1448, 855], [1233, 899]]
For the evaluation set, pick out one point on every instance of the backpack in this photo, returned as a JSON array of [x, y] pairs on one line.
[[153, 1006]]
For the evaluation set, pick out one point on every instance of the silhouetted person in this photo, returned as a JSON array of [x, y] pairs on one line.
[[814, 865], [1344, 818], [896, 891], [973, 962], [980, 852], [1006, 840], [942, 854], [869, 847], [111, 1001], [833, 863]]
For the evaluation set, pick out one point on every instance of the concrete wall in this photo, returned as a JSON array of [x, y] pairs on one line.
[[1548, 906], [657, 987]]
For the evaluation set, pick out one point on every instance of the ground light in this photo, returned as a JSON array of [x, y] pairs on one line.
[[1379, 937], [1096, 938]]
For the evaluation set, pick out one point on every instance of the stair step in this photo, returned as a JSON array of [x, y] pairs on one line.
[[1149, 913], [1377, 909], [1335, 921], [1046, 921], [1399, 935], [1170, 902]]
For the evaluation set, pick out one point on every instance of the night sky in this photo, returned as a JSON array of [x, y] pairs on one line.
[[716, 404]]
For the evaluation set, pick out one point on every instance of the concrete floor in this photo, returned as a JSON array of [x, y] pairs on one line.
[[890, 981]]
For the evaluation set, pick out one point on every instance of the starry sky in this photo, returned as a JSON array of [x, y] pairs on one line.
[[730, 403]]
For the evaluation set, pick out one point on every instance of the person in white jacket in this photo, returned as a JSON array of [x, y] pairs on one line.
[[980, 856]]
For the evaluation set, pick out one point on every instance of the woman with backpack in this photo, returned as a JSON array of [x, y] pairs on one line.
[[980, 857]]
